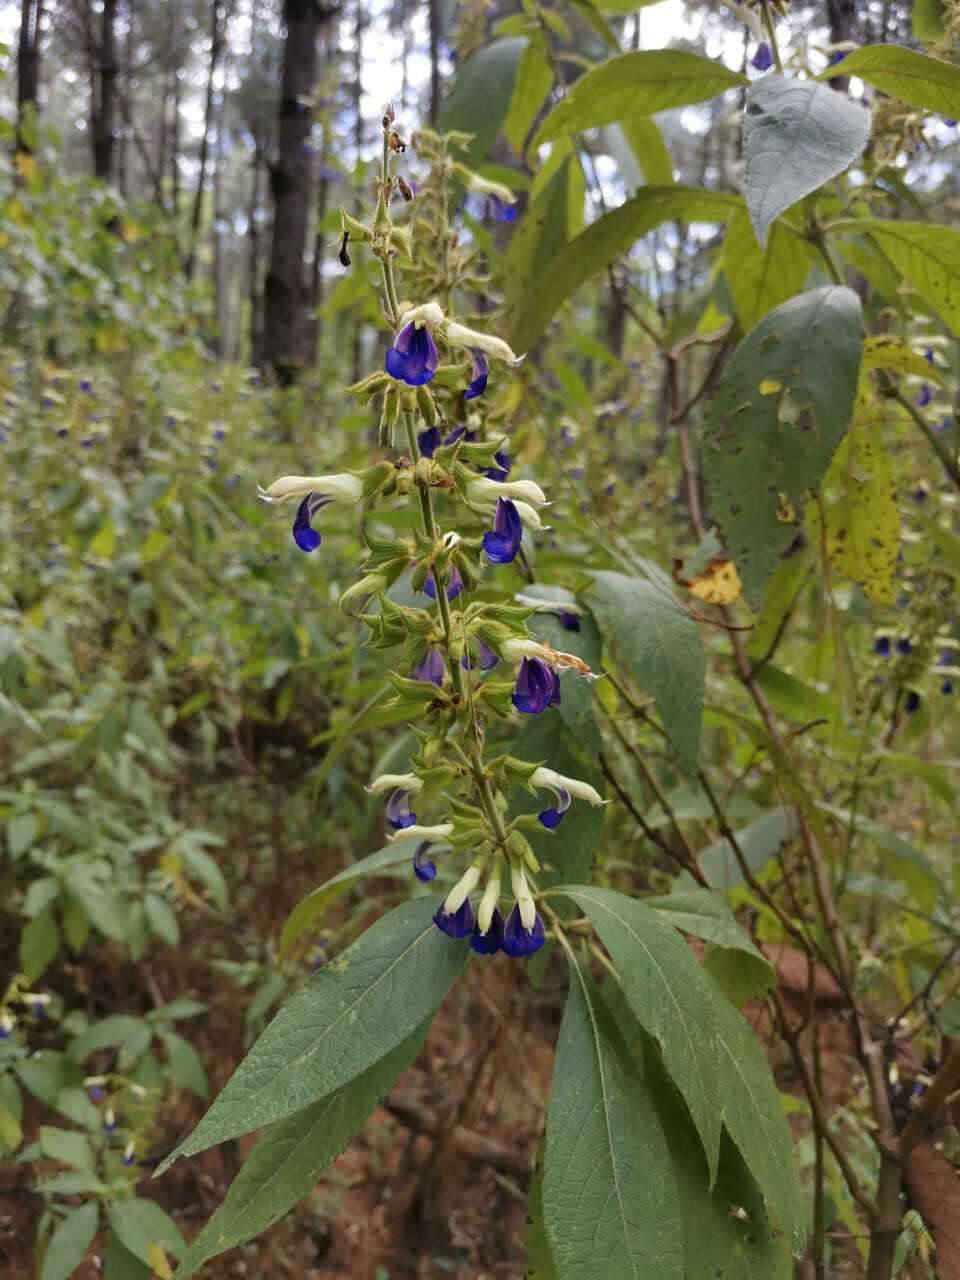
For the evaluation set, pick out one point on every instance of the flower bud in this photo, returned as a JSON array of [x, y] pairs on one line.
[[356, 598], [461, 890]]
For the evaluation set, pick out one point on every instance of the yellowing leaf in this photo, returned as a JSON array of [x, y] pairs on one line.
[[129, 231], [17, 213], [26, 165], [110, 339], [157, 1261], [884, 351], [104, 544], [154, 546], [769, 387], [718, 584], [786, 511], [36, 615]]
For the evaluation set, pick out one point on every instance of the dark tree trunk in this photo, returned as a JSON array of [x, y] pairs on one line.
[[104, 93], [254, 237], [358, 131], [175, 147], [28, 65], [842, 16], [286, 293], [219, 20], [433, 15]]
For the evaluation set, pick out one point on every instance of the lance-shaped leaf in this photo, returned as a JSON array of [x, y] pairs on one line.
[[287, 1161], [636, 84], [797, 135], [760, 279], [927, 256], [482, 91], [610, 1203], [670, 995], [345, 1018], [779, 412], [661, 645], [916, 78]]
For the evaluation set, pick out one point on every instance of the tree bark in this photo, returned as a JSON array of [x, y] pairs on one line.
[[28, 65], [286, 293], [104, 93], [842, 16], [253, 236], [433, 15], [219, 19]]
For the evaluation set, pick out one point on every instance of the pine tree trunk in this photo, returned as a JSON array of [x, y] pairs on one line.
[[219, 20], [28, 64], [286, 293], [104, 94], [842, 16], [253, 286], [433, 14]]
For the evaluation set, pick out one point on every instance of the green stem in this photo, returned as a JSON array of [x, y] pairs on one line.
[[772, 35]]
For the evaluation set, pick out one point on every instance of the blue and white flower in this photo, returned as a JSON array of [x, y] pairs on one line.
[[564, 789]]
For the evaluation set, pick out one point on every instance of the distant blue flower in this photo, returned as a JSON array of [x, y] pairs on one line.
[[219, 434], [413, 358], [944, 424], [109, 1121], [38, 1009], [398, 812], [129, 1157], [569, 621], [762, 60], [478, 376], [881, 646], [537, 687], [924, 396], [430, 668], [947, 687], [503, 542], [920, 494], [904, 647], [945, 658], [86, 386], [838, 56], [96, 1093], [912, 702], [502, 469], [485, 944], [424, 868], [87, 442], [304, 535], [429, 442], [518, 941], [486, 658], [47, 402], [456, 924], [500, 211], [454, 586]]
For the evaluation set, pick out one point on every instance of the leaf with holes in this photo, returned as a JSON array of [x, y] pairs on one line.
[[610, 1203], [779, 412], [341, 1021], [797, 135]]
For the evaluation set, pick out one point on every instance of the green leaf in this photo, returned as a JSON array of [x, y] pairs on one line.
[[161, 918], [120, 1264], [287, 1161], [11, 1134], [761, 279], [926, 20], [72, 1184], [754, 971], [341, 1021], [778, 414], [68, 1146], [797, 135], [661, 646], [601, 243], [21, 833], [610, 1203], [309, 910], [670, 995], [545, 227], [481, 95], [43, 1074], [534, 80], [915, 78], [141, 1224], [540, 1264], [38, 944], [645, 139], [759, 841], [70, 1242], [926, 254], [185, 1064], [754, 1118], [118, 1029], [636, 84]]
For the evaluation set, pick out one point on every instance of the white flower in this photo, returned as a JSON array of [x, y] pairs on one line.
[[439, 831], [515, 650], [408, 782], [521, 891], [461, 890], [430, 314], [458, 335], [488, 904], [554, 781], [484, 492], [339, 488], [529, 516]]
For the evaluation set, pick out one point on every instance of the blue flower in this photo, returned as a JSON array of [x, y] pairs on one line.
[[454, 586], [478, 376], [947, 687], [424, 868], [912, 702], [920, 494], [881, 647], [306, 537], [86, 386], [429, 442], [460, 433], [518, 941], [762, 60], [502, 469], [838, 56], [38, 1009], [537, 687], [430, 668], [503, 542], [109, 1121], [904, 647], [96, 1093], [413, 358], [486, 658], [485, 944], [945, 658], [551, 818], [925, 396], [456, 924], [500, 211], [398, 812], [569, 621]]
